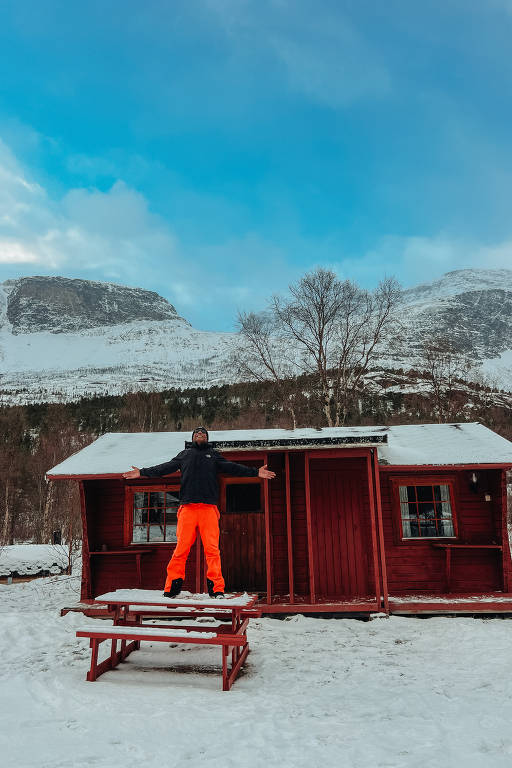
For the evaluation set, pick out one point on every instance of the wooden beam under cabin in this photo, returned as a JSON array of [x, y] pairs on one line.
[[380, 531], [373, 524], [289, 533], [86, 587], [311, 562], [268, 543]]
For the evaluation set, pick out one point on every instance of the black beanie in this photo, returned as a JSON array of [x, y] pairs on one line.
[[200, 429]]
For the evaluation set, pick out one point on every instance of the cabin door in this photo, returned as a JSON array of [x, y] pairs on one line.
[[242, 537], [340, 528]]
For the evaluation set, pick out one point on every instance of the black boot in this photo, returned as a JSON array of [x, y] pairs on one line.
[[176, 586], [209, 584], [218, 594]]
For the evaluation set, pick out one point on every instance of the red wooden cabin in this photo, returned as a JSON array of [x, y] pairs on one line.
[[359, 519]]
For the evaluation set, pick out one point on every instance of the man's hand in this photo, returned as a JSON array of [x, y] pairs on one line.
[[265, 473], [132, 474]]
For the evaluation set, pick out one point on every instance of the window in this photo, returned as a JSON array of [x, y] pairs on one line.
[[244, 497], [155, 515], [426, 511]]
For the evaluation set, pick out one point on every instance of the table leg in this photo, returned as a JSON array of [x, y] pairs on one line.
[[92, 673], [225, 681]]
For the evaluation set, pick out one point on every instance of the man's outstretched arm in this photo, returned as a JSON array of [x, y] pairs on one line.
[[167, 468], [241, 470]]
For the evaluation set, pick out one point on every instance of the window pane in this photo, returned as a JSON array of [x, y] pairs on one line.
[[424, 493], [445, 528], [243, 497], [426, 511], [140, 500], [172, 499], [444, 491], [140, 533], [156, 532], [170, 532], [428, 528], [430, 516], [140, 516], [156, 515], [156, 499]]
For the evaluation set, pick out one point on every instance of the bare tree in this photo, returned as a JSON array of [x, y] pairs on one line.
[[263, 355], [446, 368], [327, 329]]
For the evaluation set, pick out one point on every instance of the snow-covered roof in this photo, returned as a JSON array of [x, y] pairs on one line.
[[406, 445]]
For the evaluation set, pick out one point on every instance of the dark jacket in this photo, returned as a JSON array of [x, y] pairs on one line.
[[199, 466]]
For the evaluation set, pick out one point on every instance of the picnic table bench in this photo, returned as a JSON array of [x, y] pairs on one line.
[[131, 606]]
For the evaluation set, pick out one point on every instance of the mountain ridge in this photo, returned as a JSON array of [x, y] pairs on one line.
[[63, 338], [62, 304]]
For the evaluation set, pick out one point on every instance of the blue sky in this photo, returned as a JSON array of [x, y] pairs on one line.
[[215, 150]]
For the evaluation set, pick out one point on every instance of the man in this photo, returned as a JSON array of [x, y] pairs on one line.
[[199, 465]]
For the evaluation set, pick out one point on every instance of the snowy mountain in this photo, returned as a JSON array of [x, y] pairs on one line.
[[470, 307], [61, 339], [474, 307]]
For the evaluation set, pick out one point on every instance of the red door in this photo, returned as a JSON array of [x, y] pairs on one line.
[[340, 527], [242, 538]]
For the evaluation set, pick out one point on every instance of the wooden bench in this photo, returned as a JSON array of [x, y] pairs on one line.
[[131, 607], [131, 637]]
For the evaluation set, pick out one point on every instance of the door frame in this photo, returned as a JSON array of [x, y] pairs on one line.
[[368, 455]]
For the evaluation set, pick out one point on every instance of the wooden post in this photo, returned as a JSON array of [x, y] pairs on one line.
[[380, 529], [268, 543], [86, 589], [371, 496], [311, 563], [289, 533], [506, 562]]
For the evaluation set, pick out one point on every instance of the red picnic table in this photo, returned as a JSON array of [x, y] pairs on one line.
[[131, 606]]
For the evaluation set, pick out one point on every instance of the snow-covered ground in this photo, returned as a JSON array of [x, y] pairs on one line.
[[32, 559], [392, 692]]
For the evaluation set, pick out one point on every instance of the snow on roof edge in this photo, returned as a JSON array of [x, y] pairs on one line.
[[407, 445]]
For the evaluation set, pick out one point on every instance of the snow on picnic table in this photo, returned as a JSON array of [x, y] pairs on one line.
[[155, 597], [399, 691]]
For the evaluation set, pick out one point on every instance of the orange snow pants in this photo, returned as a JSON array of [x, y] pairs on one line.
[[206, 518]]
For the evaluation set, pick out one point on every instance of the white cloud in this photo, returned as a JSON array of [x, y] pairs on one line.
[[12, 252], [85, 230], [416, 260], [320, 52], [113, 235]]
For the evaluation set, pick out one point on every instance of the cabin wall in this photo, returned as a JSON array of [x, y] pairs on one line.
[[105, 513], [105, 501], [417, 567]]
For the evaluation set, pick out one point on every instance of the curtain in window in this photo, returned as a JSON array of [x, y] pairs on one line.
[[446, 522], [404, 506]]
